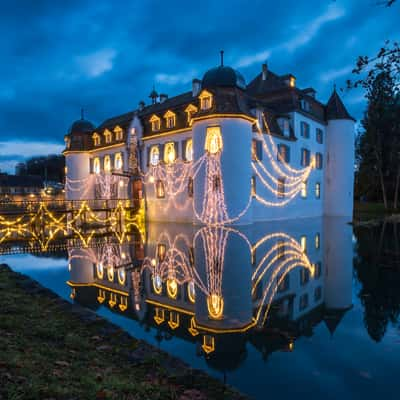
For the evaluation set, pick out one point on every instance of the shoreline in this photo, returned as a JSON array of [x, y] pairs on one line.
[[53, 349]]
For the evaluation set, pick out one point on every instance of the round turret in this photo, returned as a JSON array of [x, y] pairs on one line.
[[223, 76]]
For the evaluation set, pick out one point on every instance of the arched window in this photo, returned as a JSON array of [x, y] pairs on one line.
[[96, 139], [107, 136], [191, 291], [213, 140], [110, 273], [169, 153], [121, 276], [189, 150], [154, 155], [107, 163], [118, 163], [118, 133], [96, 165]]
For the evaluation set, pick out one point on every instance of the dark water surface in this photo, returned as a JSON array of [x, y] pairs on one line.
[[280, 309]]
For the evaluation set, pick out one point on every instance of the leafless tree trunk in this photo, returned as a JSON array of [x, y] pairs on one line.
[[396, 189]]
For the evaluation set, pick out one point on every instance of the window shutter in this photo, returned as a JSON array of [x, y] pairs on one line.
[[183, 148], [259, 150]]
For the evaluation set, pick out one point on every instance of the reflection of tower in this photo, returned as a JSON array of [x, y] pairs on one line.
[[223, 263], [81, 264], [338, 261]]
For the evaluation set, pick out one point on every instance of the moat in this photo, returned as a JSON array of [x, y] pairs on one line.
[[297, 307]]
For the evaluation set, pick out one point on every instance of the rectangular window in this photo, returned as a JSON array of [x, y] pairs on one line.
[[318, 293], [303, 190], [305, 157], [190, 187], [155, 125], [284, 285], [318, 160], [206, 103], [305, 130], [317, 270], [284, 126], [317, 241], [283, 153], [303, 244], [170, 122], [319, 136], [160, 191], [317, 190], [304, 276], [281, 188], [256, 150], [303, 301]]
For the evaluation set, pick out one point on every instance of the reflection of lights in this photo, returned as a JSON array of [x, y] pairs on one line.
[[215, 306], [172, 288], [69, 267], [291, 346], [191, 291], [157, 284], [208, 344], [159, 315], [121, 276], [151, 179], [153, 262], [110, 273], [100, 270], [123, 255], [121, 183], [173, 320], [73, 293]]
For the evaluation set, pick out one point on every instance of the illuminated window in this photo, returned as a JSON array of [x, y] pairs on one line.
[[190, 110], [155, 123], [121, 276], [119, 133], [318, 160], [205, 100], [96, 165], [107, 163], [283, 153], [96, 139], [304, 276], [281, 188], [304, 129], [253, 186], [213, 140], [108, 136], [303, 244], [118, 161], [189, 150], [154, 155], [100, 270], [190, 187], [157, 284], [317, 241], [303, 191], [67, 141], [169, 119], [169, 153], [191, 292], [110, 273], [305, 157], [160, 191], [172, 288], [318, 190], [161, 251], [319, 135], [292, 81]]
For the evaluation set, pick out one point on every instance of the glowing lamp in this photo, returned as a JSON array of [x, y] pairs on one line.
[[215, 306]]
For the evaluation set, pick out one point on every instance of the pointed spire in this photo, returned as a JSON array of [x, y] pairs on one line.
[[335, 108], [153, 95]]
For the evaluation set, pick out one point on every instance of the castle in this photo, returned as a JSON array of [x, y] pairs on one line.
[[225, 152]]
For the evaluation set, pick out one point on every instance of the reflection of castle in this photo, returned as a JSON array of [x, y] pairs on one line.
[[221, 287], [222, 152]]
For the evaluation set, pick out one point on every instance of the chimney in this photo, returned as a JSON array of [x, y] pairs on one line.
[[264, 71], [163, 97], [141, 105], [196, 86]]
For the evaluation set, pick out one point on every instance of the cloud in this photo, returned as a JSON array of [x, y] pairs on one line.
[[248, 60], [175, 79], [331, 75], [306, 33], [97, 63]]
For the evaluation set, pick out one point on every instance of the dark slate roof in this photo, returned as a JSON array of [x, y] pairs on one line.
[[81, 126], [20, 181], [335, 108], [223, 76], [258, 86]]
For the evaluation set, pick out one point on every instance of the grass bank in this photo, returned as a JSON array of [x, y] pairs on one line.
[[51, 349], [374, 212]]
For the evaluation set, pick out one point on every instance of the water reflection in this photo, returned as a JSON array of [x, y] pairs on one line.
[[222, 288]]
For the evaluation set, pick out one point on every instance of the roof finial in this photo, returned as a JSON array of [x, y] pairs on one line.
[[222, 58], [334, 87], [82, 113]]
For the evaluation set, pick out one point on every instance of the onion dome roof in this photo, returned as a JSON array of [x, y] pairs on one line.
[[223, 76]]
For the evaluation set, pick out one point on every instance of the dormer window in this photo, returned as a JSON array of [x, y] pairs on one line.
[[305, 105], [96, 139], [155, 123], [67, 141], [119, 133], [108, 136], [170, 119], [205, 100], [190, 110]]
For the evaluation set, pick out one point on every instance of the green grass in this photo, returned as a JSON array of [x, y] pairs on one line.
[[48, 352], [368, 210]]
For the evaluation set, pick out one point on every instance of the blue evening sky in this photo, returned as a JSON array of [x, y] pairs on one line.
[[59, 56]]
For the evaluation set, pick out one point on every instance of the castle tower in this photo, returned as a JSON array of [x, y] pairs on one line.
[[339, 170], [77, 160]]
